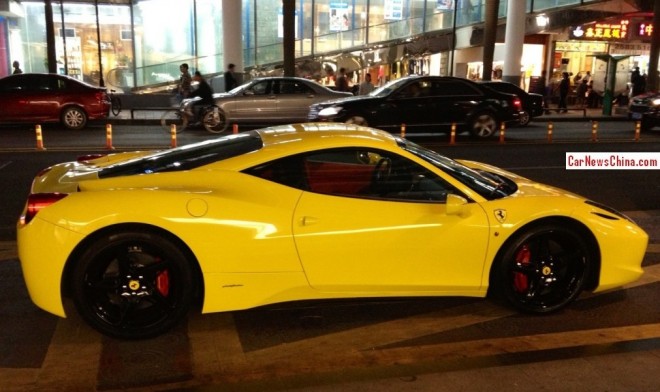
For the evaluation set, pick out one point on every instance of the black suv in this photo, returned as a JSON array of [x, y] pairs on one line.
[[645, 108], [426, 105]]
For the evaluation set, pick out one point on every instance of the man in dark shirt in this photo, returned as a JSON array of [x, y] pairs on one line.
[[230, 78], [203, 91]]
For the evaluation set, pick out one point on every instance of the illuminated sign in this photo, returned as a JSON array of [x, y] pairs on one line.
[[645, 30], [601, 31]]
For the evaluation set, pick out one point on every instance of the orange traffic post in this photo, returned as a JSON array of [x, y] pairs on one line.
[[502, 130], [403, 131], [173, 135], [638, 129], [452, 135], [550, 129], [40, 139], [234, 129], [108, 137], [594, 131]]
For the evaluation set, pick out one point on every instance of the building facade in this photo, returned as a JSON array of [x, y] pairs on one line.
[[138, 45]]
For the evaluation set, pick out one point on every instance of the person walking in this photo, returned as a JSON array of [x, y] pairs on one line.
[[230, 78], [366, 87], [564, 87], [17, 68], [185, 81], [341, 84], [638, 82]]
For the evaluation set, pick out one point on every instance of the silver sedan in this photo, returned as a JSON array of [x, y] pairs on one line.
[[272, 100]]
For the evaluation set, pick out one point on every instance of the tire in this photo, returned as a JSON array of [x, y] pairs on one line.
[[357, 120], [483, 125], [115, 105], [132, 285], [525, 118], [74, 118], [542, 269], [214, 120], [173, 117]]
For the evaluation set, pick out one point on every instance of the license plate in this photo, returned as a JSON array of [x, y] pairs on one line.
[[637, 116]]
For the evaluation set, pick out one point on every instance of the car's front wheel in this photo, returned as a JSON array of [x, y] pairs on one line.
[[132, 284], [542, 269], [357, 120], [483, 125], [74, 118]]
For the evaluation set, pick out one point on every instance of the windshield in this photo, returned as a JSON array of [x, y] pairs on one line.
[[486, 184]]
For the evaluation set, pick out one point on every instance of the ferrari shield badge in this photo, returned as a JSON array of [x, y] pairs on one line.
[[500, 215]]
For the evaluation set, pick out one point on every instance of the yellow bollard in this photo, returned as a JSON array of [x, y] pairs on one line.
[[638, 129], [173, 135], [234, 129], [403, 131], [452, 135], [550, 129], [108, 137], [502, 130], [594, 131], [40, 139]]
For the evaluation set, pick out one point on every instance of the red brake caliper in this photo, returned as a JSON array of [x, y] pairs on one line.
[[163, 282], [520, 280]]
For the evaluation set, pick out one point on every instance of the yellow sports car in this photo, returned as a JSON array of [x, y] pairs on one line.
[[306, 211]]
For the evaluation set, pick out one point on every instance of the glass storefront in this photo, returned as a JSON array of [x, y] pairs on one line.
[[135, 44]]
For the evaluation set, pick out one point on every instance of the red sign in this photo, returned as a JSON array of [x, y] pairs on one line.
[[645, 30]]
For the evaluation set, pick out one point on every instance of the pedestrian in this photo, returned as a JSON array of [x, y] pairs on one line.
[[17, 68], [366, 87], [581, 93], [230, 78], [564, 86], [341, 83], [638, 82], [185, 81]]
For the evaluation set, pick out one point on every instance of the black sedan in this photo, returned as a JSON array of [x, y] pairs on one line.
[[532, 104], [426, 105]]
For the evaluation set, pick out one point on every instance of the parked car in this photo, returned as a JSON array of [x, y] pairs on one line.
[[271, 100], [426, 105], [39, 98], [532, 103], [645, 108], [306, 211]]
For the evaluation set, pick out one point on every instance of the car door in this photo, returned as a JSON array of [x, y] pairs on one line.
[[293, 100], [15, 97], [453, 101], [413, 106], [257, 103], [386, 239]]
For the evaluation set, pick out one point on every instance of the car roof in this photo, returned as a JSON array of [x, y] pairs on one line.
[[324, 134]]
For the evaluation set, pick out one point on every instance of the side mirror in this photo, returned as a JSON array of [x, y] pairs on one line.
[[457, 205]]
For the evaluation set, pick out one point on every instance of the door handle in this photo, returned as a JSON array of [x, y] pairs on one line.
[[308, 220]]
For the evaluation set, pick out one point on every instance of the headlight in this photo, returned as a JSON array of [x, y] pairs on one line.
[[331, 111], [656, 102]]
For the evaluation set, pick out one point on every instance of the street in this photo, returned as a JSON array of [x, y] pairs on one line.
[[607, 341]]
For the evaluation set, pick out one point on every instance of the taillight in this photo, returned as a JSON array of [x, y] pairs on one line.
[[517, 104], [37, 202], [102, 96]]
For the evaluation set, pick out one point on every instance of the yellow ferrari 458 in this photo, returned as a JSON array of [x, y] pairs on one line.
[[306, 211]]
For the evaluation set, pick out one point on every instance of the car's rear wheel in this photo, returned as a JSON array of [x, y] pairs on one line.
[[483, 125], [74, 118], [543, 269], [524, 117], [357, 120], [132, 284]]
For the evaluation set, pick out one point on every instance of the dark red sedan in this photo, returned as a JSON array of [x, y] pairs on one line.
[[38, 98]]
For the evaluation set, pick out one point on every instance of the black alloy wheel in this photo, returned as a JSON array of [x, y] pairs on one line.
[[543, 269], [133, 285]]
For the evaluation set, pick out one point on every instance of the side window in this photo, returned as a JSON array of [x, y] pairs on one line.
[[260, 88], [15, 84], [453, 88], [286, 171]]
